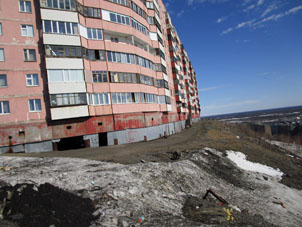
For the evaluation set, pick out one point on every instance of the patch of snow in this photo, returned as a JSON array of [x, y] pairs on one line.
[[240, 160]]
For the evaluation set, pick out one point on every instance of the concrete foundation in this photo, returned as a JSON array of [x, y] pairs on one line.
[[145, 134], [94, 140]]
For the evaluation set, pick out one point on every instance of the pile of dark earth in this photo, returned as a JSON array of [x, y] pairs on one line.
[[28, 205]]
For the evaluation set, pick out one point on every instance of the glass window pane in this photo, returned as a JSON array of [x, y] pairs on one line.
[[62, 27], [112, 17], [89, 33], [68, 28], [47, 26], [55, 4], [100, 35], [28, 6], [94, 35], [106, 98], [38, 105], [55, 75], [31, 105]]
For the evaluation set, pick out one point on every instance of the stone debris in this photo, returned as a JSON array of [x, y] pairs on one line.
[[164, 194]]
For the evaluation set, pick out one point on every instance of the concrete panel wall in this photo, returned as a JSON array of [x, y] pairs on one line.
[[63, 63], [66, 87], [15, 149], [69, 112], [38, 147], [55, 39], [126, 136], [94, 140], [178, 126], [59, 15]]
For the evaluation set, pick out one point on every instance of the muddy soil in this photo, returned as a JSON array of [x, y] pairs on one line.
[[28, 205]]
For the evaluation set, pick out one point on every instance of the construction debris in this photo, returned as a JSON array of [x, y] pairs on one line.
[[215, 195]]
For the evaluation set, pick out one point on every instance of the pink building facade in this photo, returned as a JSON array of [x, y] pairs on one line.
[[90, 73]]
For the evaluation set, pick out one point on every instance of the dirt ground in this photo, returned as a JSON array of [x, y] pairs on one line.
[[205, 133], [165, 180]]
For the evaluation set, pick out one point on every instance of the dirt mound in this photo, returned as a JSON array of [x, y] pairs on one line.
[[30, 206]]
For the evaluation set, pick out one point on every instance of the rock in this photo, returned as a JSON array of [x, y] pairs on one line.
[[125, 224]]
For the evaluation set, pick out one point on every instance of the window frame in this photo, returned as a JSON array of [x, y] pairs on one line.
[[25, 6], [2, 107], [1, 29], [27, 55], [2, 49], [32, 79], [26, 30], [5, 79], [36, 103]]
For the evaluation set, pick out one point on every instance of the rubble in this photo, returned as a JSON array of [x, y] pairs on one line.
[[162, 194]]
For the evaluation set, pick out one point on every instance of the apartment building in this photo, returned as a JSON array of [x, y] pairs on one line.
[[76, 73]]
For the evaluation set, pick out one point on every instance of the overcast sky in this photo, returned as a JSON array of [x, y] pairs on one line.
[[247, 53]]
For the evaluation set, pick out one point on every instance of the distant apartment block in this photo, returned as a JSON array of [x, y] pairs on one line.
[[80, 73]]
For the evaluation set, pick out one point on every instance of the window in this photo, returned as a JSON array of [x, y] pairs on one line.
[[137, 9], [123, 77], [150, 5], [116, 18], [4, 107], [114, 39], [138, 26], [63, 51], [25, 6], [123, 98], [2, 58], [121, 2], [29, 55], [94, 33], [162, 99], [168, 100], [99, 99], [35, 105], [95, 55], [59, 4], [146, 80], [32, 80], [0, 28], [65, 75], [3, 81], [120, 57], [68, 99], [89, 11], [60, 27], [99, 76], [27, 30]]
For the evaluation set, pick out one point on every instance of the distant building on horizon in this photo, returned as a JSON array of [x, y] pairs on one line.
[[91, 73]]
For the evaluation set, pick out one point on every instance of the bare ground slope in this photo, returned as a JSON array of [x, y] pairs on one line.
[[169, 192]]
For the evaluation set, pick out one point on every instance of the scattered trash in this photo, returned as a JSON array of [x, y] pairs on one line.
[[176, 155], [5, 168], [229, 214], [141, 219], [238, 137], [92, 182], [235, 208], [265, 177], [216, 196], [143, 161], [279, 203]]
